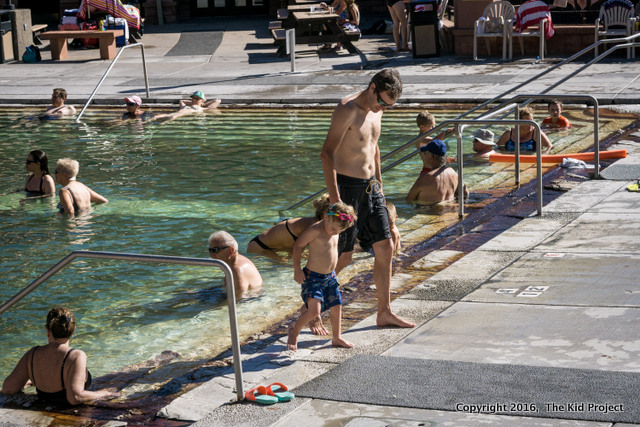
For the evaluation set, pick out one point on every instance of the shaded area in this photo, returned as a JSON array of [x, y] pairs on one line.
[[197, 43], [533, 391]]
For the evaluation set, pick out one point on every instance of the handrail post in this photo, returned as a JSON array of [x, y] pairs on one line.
[[517, 146], [458, 132], [104, 76], [596, 138], [539, 167]]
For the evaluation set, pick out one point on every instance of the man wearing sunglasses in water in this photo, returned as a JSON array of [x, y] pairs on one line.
[[246, 277], [351, 165]]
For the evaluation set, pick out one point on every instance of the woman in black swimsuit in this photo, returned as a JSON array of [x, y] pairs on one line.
[[58, 372], [283, 235], [39, 182]]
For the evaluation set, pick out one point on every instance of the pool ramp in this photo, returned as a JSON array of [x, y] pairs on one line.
[[538, 325]]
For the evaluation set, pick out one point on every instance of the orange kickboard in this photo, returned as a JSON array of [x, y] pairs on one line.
[[557, 158]]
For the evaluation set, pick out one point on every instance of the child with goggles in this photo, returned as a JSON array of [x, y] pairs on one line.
[[320, 288]]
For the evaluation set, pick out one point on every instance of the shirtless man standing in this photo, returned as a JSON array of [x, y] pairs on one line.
[[351, 165], [57, 108], [438, 185]]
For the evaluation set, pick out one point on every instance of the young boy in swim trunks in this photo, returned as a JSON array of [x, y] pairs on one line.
[[320, 288], [556, 119]]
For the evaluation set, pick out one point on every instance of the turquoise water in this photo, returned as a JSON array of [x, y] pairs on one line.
[[169, 186]]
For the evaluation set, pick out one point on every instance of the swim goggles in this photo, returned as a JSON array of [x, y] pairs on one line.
[[342, 216]]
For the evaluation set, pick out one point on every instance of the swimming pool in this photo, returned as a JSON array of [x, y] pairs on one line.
[[169, 186]]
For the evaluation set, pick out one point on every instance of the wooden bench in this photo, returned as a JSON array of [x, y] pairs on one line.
[[36, 29], [107, 41]]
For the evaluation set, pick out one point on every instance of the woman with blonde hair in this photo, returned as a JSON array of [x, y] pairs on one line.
[[74, 195], [527, 135], [58, 372]]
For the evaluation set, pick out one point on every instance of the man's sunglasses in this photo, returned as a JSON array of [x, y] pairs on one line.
[[381, 101]]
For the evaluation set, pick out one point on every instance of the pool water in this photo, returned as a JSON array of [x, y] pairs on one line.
[[169, 186]]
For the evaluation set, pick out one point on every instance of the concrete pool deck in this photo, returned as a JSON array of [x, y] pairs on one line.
[[557, 292], [244, 68]]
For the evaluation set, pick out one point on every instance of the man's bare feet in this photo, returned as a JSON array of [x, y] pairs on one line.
[[341, 342], [391, 319], [317, 327], [292, 340]]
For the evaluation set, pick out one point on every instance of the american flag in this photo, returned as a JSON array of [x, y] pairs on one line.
[[531, 13]]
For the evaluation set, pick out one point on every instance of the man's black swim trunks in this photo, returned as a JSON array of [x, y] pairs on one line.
[[373, 218]]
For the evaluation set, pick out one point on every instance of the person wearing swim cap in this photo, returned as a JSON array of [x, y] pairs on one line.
[[197, 104], [133, 104], [438, 185]]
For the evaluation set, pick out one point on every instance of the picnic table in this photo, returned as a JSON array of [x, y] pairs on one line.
[[321, 28], [58, 40]]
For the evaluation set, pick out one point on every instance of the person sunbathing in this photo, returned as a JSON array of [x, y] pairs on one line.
[[197, 104]]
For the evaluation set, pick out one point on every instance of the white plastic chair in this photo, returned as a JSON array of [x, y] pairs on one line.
[[615, 16], [502, 12], [535, 30]]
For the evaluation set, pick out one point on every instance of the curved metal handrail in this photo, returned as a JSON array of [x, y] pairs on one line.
[[104, 76], [228, 280]]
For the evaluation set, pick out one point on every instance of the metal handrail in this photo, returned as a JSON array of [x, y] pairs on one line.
[[498, 97], [144, 67], [228, 279]]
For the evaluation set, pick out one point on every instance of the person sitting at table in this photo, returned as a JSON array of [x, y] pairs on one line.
[[352, 23], [339, 7]]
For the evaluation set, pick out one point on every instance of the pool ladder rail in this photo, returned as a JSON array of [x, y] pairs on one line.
[[160, 259], [104, 76], [505, 107]]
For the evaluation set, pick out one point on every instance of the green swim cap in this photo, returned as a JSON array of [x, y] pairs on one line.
[[198, 94]]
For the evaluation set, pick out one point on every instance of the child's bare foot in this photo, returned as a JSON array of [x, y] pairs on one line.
[[292, 341], [391, 319], [341, 342], [317, 327]]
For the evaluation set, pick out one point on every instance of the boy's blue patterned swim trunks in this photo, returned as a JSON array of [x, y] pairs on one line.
[[323, 287]]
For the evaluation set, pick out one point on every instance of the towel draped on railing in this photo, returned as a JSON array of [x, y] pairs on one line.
[[530, 14], [113, 7]]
